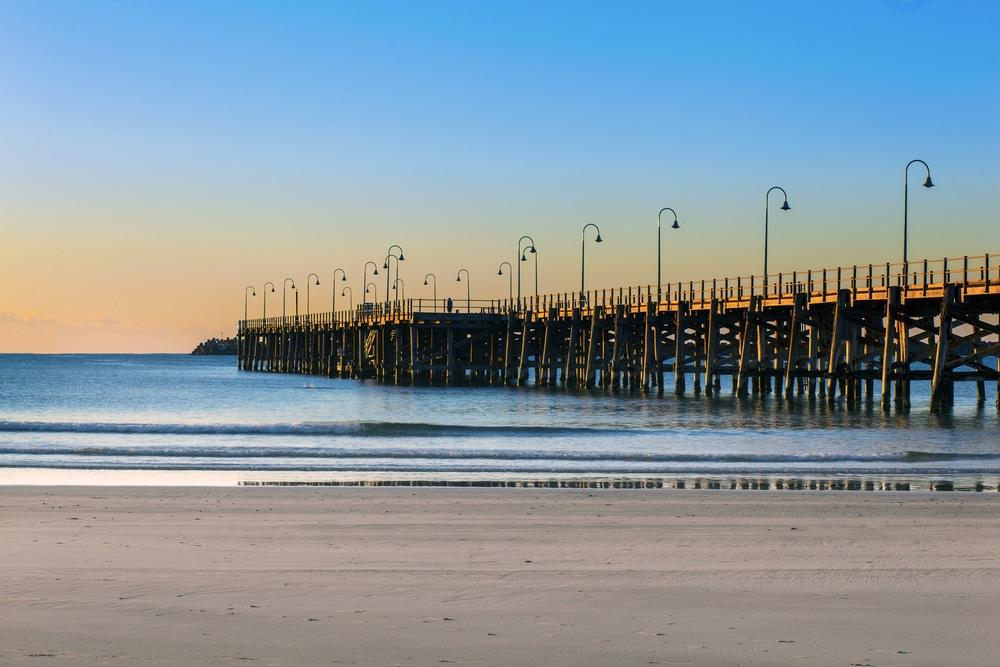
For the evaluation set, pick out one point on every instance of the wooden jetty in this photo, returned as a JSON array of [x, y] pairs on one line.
[[830, 334]]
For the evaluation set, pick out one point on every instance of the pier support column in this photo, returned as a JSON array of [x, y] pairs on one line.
[[938, 381], [889, 344], [794, 334], [680, 348]]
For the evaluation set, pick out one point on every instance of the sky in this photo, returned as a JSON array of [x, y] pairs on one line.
[[157, 158]]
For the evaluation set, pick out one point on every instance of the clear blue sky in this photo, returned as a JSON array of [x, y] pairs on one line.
[[181, 150]]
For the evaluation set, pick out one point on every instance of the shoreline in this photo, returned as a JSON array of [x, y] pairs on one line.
[[31, 477], [496, 576]]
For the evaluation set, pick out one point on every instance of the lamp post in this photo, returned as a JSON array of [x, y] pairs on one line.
[[399, 287], [284, 291], [928, 183], [583, 254], [374, 291], [534, 252], [350, 303], [343, 279], [784, 207], [364, 276], [510, 279], [311, 275], [247, 293], [399, 258], [659, 248], [264, 314], [386, 266], [435, 292], [468, 289], [521, 248]]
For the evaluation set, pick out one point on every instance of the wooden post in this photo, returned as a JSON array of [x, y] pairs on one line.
[[414, 342], [546, 375], [596, 314], [837, 343], [523, 358], [647, 345], [680, 347], [794, 334], [941, 353], [452, 378], [508, 349], [569, 375], [711, 334], [749, 328], [893, 297], [618, 350]]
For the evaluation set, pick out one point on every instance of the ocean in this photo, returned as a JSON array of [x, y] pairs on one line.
[[184, 413]]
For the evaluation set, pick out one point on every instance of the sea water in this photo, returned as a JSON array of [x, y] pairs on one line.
[[179, 412]]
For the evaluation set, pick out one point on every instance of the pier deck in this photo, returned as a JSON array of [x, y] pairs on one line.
[[830, 334]]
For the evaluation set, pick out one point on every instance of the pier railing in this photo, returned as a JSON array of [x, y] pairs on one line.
[[979, 274]]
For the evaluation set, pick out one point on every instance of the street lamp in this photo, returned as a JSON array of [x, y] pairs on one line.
[[583, 254], [396, 285], [350, 303], [343, 279], [468, 289], [374, 291], [784, 207], [906, 203], [284, 290], [386, 266], [659, 248], [399, 258], [247, 293], [431, 275], [521, 249], [311, 275], [364, 276], [510, 279], [264, 314]]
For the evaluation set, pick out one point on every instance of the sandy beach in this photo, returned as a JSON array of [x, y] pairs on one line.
[[516, 576]]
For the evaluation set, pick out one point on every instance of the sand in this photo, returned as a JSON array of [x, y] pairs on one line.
[[497, 577]]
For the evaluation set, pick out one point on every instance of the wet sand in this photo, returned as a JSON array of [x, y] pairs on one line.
[[497, 576]]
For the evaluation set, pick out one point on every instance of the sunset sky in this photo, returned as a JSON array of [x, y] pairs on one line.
[[156, 158]]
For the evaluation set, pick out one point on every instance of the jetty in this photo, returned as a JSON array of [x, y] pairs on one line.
[[842, 334]]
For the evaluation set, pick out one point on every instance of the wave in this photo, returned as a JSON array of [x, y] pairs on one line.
[[452, 454], [357, 429]]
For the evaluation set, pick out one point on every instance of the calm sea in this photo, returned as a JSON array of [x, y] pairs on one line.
[[176, 412]]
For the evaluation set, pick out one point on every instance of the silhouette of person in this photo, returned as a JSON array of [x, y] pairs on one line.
[[450, 304]]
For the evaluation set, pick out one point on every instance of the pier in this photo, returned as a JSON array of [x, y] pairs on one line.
[[844, 334]]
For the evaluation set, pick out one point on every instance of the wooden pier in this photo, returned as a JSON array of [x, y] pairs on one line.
[[846, 334]]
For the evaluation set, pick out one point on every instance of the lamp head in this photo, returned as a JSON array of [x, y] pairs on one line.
[[386, 265], [785, 206], [375, 272], [532, 250], [425, 281], [366, 289], [523, 258], [928, 183], [676, 225], [272, 289], [401, 258], [598, 239], [343, 279], [499, 273], [253, 292], [458, 278]]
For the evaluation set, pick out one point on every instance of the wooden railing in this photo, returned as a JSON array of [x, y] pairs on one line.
[[975, 274]]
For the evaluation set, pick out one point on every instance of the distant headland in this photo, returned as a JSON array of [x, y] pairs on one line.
[[216, 346]]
